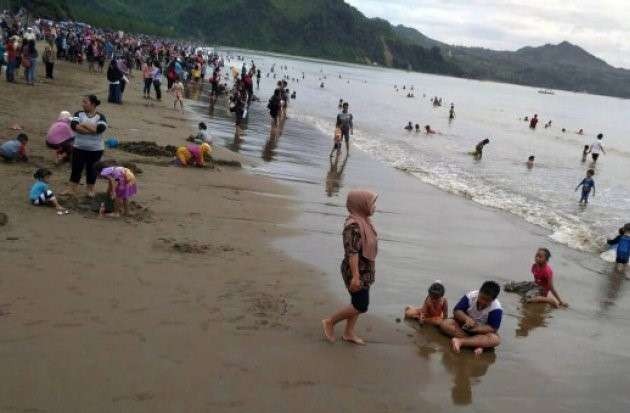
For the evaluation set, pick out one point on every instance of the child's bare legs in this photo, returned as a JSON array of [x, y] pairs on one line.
[[351, 315], [56, 204], [621, 268], [434, 321], [412, 312], [544, 300], [451, 328], [478, 342]]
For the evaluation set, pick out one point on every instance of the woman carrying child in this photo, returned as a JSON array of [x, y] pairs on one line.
[[60, 137]]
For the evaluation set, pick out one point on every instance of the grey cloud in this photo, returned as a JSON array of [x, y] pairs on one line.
[[598, 26]]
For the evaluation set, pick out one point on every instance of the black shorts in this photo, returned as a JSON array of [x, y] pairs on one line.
[[595, 156], [361, 300], [337, 145], [346, 135], [622, 260]]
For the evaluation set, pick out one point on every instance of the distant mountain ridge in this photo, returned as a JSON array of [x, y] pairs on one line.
[[332, 29]]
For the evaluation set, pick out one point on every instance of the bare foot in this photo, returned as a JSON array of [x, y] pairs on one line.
[[456, 344], [91, 195], [329, 331], [354, 340], [478, 351]]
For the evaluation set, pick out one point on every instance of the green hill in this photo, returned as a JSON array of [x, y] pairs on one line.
[[332, 29]]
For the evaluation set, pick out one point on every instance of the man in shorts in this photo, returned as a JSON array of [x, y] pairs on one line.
[[344, 122]]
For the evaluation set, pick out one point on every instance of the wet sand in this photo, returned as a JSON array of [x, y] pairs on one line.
[[212, 301]]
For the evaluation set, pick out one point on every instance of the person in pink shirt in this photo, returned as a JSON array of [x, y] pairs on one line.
[[60, 137], [543, 278]]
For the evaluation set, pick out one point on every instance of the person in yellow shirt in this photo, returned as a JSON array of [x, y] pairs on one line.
[[194, 155]]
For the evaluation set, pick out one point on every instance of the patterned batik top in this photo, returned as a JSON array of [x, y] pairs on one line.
[[352, 245]]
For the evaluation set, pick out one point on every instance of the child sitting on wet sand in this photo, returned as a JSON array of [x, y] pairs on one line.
[[194, 155], [542, 289], [121, 186], [201, 136], [41, 195], [434, 309]]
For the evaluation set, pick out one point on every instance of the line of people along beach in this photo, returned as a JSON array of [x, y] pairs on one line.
[[78, 139]]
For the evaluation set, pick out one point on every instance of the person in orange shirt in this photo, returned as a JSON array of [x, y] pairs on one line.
[[435, 307]]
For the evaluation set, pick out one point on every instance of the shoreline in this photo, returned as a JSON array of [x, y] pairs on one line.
[[201, 308], [183, 310]]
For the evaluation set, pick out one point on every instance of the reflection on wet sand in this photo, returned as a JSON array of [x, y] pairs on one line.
[[269, 150], [466, 369], [334, 178], [532, 316], [612, 289]]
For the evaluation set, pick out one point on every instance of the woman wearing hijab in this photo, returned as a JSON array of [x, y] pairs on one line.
[[358, 267]]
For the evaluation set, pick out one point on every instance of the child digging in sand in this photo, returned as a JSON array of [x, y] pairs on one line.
[[194, 155], [15, 149], [41, 195], [121, 186], [435, 307]]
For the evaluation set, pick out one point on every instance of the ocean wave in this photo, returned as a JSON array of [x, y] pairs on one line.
[[564, 228]]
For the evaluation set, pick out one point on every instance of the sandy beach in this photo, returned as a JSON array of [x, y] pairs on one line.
[[210, 298]]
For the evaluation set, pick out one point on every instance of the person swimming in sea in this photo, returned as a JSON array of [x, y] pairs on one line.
[[409, 127], [530, 161], [428, 130]]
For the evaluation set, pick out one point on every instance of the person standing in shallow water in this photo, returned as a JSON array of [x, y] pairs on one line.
[[344, 122], [358, 266]]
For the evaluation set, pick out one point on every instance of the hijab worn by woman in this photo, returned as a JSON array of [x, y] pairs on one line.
[[359, 204]]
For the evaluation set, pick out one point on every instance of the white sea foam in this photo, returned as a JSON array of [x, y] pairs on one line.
[[564, 228]]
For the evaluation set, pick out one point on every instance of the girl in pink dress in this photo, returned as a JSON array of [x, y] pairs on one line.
[[121, 187]]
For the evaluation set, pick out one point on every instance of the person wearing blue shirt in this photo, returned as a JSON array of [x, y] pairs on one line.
[[623, 249], [476, 320], [40, 193], [587, 184]]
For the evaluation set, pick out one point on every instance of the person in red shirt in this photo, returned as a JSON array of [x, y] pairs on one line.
[[543, 278]]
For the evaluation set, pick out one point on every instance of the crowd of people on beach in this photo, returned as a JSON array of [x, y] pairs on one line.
[[78, 139]]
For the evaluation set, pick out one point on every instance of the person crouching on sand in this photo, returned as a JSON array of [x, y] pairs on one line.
[[435, 307], [358, 267], [41, 195], [194, 155], [476, 320], [121, 186]]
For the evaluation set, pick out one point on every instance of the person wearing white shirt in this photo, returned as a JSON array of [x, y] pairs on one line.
[[597, 148]]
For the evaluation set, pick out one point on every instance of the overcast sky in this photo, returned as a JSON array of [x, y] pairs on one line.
[[602, 27]]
